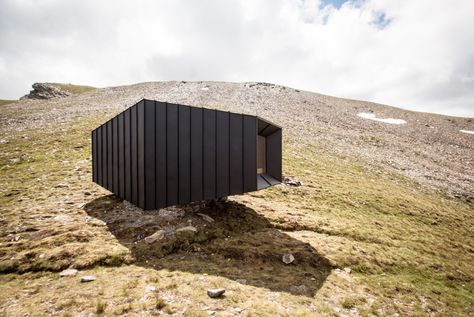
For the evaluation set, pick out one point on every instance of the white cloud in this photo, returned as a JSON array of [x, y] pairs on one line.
[[413, 54]]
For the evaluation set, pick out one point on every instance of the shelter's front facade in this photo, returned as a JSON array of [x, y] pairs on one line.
[[157, 154]]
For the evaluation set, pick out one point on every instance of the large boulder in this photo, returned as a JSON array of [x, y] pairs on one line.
[[45, 91]]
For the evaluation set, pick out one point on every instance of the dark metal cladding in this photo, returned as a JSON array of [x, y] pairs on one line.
[[104, 155], [197, 154], [209, 155], [158, 154], [121, 155], [172, 129], [110, 175], [184, 154], [222, 154], [149, 159], [236, 177], [134, 153], [128, 155], [141, 153], [94, 155], [115, 156], [250, 153], [273, 149]]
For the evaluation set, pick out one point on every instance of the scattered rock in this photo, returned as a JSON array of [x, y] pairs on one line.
[[61, 185], [292, 181], [150, 288], [45, 91], [348, 270], [205, 217], [288, 258], [160, 234], [87, 278], [187, 228], [241, 281], [299, 289], [63, 218], [68, 272], [171, 213], [215, 292]]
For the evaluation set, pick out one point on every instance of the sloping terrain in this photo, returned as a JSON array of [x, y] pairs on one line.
[[383, 224]]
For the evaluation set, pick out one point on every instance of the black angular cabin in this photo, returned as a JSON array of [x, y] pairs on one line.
[[157, 154]]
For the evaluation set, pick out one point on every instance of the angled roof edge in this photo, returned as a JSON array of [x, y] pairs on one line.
[[179, 104]]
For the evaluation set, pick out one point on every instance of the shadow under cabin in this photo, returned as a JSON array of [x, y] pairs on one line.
[[157, 154]]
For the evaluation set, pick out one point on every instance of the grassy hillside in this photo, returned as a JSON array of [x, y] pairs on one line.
[[6, 102], [366, 241], [74, 89]]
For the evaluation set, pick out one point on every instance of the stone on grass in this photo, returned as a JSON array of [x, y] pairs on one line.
[[288, 258], [215, 292], [87, 278], [68, 272], [150, 288], [187, 228], [292, 181], [299, 289], [205, 217], [160, 234]]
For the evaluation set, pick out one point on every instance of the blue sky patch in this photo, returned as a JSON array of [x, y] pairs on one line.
[[336, 3], [381, 20]]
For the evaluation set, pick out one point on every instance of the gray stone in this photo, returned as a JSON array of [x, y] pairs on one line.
[[171, 213], [187, 228], [288, 258], [159, 235], [241, 281], [292, 181], [68, 272], [87, 278], [206, 217], [299, 289], [45, 91], [150, 288], [215, 292]]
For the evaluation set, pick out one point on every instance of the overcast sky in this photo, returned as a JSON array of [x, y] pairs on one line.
[[414, 54]]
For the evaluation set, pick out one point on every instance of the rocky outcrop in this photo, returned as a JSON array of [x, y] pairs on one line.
[[45, 91]]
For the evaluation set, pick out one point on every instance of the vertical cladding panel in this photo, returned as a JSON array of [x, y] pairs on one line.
[[274, 154], [172, 154], [209, 155], [94, 155], [141, 153], [250, 153], [236, 154], [184, 154], [134, 153], [196, 154], [110, 162], [104, 155], [149, 154], [222, 151], [128, 155], [121, 155], [160, 151], [100, 168], [115, 187]]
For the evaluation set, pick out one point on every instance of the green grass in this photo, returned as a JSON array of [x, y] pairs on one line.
[[6, 102], [74, 89]]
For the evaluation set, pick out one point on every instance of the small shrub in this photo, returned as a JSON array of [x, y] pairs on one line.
[[100, 307], [160, 303]]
